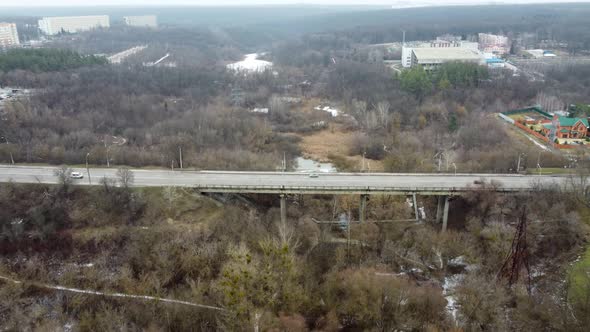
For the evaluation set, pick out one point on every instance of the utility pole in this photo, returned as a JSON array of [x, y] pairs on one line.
[[180, 153], [284, 162], [108, 159], [88, 168], [518, 164], [363, 163], [348, 237], [539, 162]]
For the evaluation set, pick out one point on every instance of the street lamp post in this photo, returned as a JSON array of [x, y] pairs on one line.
[[518, 164], [180, 153], [539, 162], [363, 163], [108, 161], [88, 168]]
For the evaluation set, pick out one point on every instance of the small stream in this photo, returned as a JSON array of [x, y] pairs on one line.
[[308, 165]]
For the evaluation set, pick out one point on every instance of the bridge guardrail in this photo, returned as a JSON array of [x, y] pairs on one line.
[[274, 188]]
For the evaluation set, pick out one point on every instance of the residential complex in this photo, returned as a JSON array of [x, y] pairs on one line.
[[8, 35], [72, 24], [150, 21], [565, 127], [496, 44], [562, 131]]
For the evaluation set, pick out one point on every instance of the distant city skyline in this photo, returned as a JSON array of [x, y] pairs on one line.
[[393, 3]]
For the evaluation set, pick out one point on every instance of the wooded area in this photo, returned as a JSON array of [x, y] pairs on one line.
[[43, 60], [507, 262], [173, 243]]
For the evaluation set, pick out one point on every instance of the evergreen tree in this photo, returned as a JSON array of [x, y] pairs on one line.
[[416, 81]]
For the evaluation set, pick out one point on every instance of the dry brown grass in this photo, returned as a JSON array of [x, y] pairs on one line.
[[333, 141]]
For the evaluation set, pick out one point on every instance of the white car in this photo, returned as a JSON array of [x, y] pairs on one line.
[[76, 175], [313, 175]]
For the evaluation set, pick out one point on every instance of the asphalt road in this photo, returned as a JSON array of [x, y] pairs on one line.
[[272, 182]]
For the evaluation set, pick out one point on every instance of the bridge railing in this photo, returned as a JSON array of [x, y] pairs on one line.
[[355, 189]]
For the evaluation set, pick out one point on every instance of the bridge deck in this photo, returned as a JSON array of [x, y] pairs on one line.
[[296, 183]]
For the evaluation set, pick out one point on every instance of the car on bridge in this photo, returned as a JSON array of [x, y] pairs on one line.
[[76, 175]]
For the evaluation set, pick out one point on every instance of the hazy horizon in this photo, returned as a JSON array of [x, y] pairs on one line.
[[210, 3]]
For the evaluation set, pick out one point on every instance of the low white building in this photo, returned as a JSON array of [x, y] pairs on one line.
[[541, 53], [408, 48], [8, 35], [146, 21], [432, 58], [72, 24]]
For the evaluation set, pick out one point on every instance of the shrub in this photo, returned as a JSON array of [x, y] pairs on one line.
[[365, 299]]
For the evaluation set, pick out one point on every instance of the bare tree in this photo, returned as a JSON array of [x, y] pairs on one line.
[[125, 176], [63, 175], [579, 185], [383, 111], [359, 108], [278, 107], [107, 184], [171, 194]]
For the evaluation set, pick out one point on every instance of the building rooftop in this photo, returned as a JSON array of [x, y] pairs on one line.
[[446, 54], [570, 122]]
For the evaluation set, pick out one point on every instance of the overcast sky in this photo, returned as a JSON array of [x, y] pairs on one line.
[[255, 2]]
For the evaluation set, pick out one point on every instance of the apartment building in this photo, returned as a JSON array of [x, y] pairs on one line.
[[72, 24], [8, 35]]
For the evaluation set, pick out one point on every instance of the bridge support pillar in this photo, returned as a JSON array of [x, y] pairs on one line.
[[445, 214], [415, 203], [283, 209], [439, 208], [363, 208]]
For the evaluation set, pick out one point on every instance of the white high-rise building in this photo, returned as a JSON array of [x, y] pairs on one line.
[[496, 44], [142, 21], [8, 35], [72, 24]]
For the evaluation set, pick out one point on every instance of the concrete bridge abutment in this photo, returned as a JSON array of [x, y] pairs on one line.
[[442, 211]]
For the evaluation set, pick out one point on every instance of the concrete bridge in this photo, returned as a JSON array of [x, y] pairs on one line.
[[284, 183]]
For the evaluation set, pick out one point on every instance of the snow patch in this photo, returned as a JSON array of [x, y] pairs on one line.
[[449, 285], [259, 110], [458, 261], [250, 64], [68, 327], [333, 111]]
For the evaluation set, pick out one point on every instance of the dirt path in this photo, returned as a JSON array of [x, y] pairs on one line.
[[127, 296]]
